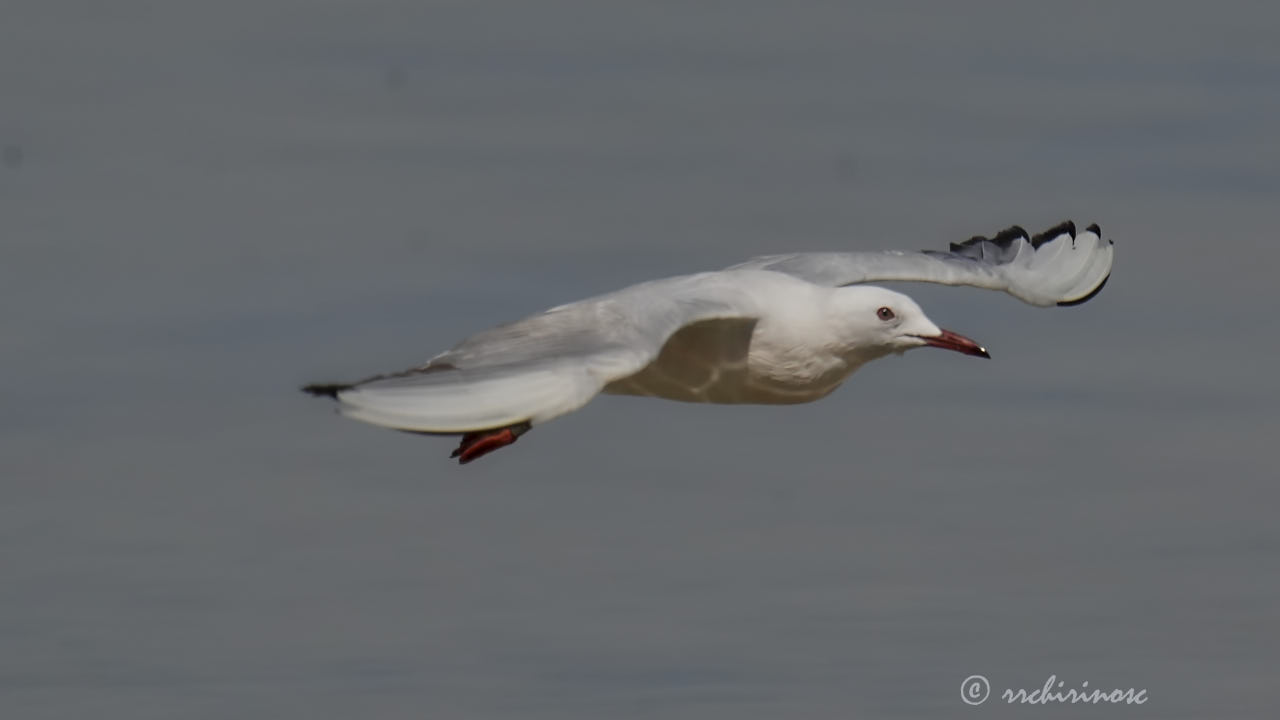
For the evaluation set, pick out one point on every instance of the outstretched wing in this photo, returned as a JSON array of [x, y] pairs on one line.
[[546, 365], [1056, 267]]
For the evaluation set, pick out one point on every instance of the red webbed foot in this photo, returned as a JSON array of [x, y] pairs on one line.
[[482, 442]]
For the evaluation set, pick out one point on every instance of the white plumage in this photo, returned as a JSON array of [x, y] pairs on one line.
[[775, 329]]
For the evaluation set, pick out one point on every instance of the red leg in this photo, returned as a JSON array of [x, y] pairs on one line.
[[483, 442]]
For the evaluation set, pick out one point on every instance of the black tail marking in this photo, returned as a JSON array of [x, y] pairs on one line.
[[330, 390]]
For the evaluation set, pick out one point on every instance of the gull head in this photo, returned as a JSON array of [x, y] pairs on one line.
[[874, 322]]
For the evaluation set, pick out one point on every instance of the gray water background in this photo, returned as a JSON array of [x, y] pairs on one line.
[[204, 205]]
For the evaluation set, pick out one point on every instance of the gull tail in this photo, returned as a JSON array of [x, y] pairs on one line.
[[454, 401]]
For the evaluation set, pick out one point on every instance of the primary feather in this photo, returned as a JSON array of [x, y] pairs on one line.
[[1057, 267]]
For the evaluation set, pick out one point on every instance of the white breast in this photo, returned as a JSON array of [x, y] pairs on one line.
[[785, 357]]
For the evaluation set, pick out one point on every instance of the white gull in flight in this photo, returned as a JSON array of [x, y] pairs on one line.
[[777, 329]]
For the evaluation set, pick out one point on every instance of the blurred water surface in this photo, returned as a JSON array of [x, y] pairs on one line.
[[203, 206]]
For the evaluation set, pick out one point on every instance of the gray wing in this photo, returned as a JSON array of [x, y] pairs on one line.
[[1056, 267], [546, 365]]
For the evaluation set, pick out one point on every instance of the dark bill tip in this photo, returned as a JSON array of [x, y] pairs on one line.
[[948, 340]]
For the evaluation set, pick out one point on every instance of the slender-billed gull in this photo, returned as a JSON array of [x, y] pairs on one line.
[[774, 330]]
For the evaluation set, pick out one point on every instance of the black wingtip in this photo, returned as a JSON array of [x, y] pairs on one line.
[[1086, 298], [329, 390], [1066, 226], [1093, 228], [1005, 237]]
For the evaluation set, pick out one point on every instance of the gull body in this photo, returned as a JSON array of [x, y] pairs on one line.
[[775, 330], [804, 340]]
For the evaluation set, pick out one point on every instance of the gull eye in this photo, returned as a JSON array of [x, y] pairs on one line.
[[884, 313]]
